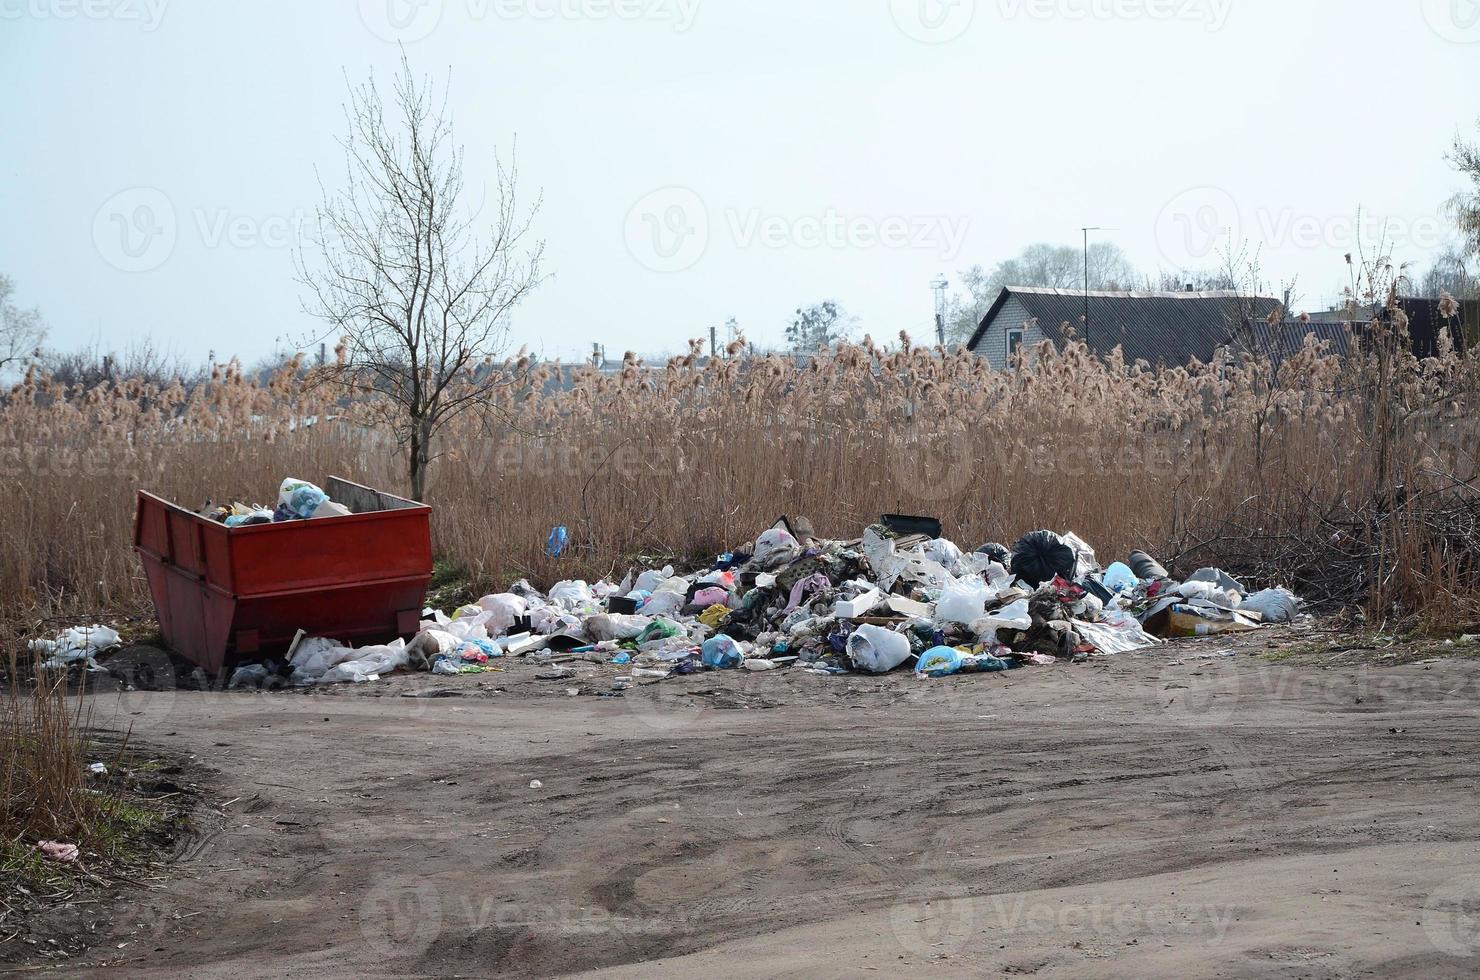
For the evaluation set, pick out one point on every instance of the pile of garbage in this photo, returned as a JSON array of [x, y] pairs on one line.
[[298, 500], [900, 597]]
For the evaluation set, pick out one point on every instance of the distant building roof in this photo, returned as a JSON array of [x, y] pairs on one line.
[[1425, 322], [1173, 327], [1282, 339]]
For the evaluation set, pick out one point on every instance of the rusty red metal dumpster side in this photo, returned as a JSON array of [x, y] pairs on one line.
[[223, 594]]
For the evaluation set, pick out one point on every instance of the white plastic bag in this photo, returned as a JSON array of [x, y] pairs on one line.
[[944, 553], [315, 656], [1275, 605], [650, 580], [1085, 562], [877, 650], [614, 627], [572, 595], [890, 565], [662, 604], [1010, 617], [1209, 592], [469, 623], [503, 609], [776, 546], [368, 664], [963, 601]]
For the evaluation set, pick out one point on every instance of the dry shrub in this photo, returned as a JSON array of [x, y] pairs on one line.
[[42, 793], [1283, 472]]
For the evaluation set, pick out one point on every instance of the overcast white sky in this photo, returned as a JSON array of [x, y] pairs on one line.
[[702, 159]]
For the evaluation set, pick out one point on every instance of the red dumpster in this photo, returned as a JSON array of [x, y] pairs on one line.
[[223, 594]]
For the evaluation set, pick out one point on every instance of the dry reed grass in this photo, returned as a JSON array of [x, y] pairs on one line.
[[692, 457], [42, 774]]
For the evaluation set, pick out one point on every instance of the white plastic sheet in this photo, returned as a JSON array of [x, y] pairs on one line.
[[1115, 635]]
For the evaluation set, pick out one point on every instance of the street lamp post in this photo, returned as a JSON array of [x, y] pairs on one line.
[[940, 284]]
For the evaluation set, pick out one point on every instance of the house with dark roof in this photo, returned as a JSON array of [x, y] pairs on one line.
[[1158, 327]]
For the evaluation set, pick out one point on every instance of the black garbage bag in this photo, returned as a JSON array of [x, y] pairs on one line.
[[997, 552], [1147, 567], [1042, 556]]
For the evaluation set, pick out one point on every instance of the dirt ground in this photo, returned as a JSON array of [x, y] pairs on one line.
[[1197, 810]]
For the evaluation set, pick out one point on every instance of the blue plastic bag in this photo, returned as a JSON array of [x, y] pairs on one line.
[[1119, 578], [984, 663], [944, 661], [555, 544], [722, 653], [940, 661], [298, 499]]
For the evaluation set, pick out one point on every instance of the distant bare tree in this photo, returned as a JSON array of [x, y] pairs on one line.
[[421, 298], [92, 367], [1057, 266], [1450, 274], [1201, 280], [1465, 205], [21, 331]]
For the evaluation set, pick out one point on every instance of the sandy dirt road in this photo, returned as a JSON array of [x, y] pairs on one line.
[[1169, 814]]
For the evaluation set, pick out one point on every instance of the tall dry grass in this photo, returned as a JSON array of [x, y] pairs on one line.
[[42, 775], [693, 457]]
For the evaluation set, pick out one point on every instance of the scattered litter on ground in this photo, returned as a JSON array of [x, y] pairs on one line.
[[80, 644], [57, 851], [892, 599]]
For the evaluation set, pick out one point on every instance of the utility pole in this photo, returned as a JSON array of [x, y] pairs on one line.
[[1086, 283], [939, 285], [713, 342]]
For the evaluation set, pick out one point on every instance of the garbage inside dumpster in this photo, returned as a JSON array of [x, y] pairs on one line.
[[298, 500], [886, 601]]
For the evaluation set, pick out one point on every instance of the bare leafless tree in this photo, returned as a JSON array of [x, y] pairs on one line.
[[402, 269], [21, 331], [1465, 205]]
